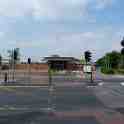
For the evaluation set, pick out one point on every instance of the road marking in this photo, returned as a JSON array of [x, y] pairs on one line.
[[24, 86], [11, 108], [101, 84], [91, 86], [122, 83]]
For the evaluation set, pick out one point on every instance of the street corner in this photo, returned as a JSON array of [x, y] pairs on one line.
[[109, 117]]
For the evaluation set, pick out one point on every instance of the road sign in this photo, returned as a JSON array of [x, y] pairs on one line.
[[87, 68]]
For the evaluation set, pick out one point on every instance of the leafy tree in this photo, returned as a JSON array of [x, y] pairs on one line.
[[14, 55], [113, 59], [101, 61], [82, 60]]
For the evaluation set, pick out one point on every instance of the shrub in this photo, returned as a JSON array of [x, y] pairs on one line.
[[52, 72], [120, 71], [107, 71]]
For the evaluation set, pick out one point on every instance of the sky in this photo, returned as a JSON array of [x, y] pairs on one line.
[[65, 27]]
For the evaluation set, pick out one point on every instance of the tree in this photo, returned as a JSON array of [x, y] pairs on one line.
[[88, 56], [101, 61], [14, 56], [111, 59], [82, 60], [114, 59]]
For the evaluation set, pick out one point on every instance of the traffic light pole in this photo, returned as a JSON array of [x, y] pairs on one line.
[[92, 75], [29, 71], [13, 66]]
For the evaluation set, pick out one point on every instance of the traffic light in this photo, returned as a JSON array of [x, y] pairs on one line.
[[122, 43], [88, 56], [122, 51], [29, 60], [15, 54]]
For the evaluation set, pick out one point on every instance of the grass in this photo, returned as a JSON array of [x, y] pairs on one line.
[[119, 71], [52, 72], [112, 71], [107, 71], [7, 89]]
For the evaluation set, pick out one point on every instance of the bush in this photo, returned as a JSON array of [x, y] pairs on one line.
[[107, 71], [52, 71], [120, 71]]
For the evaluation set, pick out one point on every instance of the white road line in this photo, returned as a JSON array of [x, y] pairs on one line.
[[122, 83], [101, 84], [24, 86], [91, 86], [11, 108]]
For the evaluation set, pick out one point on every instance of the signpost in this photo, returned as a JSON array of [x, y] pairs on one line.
[[88, 69]]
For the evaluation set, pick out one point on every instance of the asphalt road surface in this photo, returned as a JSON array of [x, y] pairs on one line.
[[66, 102]]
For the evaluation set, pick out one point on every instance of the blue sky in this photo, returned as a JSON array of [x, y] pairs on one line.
[[66, 27]]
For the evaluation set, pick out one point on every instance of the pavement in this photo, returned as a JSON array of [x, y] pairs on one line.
[[68, 101]]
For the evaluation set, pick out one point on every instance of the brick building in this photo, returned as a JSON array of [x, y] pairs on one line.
[[62, 63]]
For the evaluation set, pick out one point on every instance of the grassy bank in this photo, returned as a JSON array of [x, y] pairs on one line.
[[107, 71], [112, 71]]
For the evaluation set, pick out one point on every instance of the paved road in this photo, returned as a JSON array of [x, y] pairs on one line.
[[67, 102], [27, 105]]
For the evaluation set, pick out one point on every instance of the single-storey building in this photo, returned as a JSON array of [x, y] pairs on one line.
[[62, 63]]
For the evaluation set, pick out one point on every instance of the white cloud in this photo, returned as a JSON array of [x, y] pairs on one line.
[[100, 41], [26, 44], [101, 4], [51, 9], [54, 10]]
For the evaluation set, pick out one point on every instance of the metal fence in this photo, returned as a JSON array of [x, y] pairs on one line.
[[24, 77], [41, 77]]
